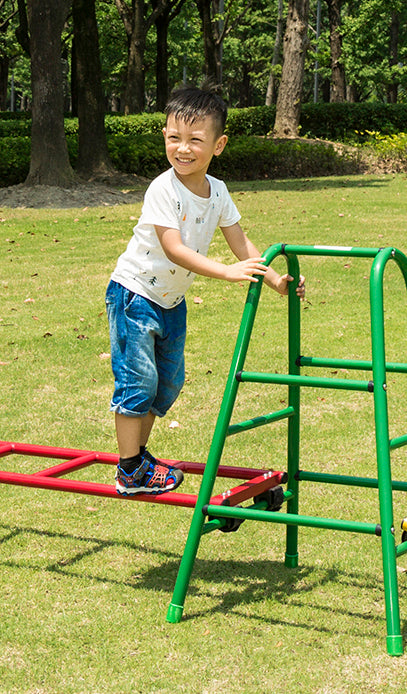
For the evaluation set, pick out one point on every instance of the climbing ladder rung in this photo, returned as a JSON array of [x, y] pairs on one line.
[[260, 421], [357, 364], [307, 381], [398, 442], [292, 519], [347, 480]]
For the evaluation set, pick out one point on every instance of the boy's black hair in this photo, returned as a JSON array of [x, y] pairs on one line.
[[193, 103]]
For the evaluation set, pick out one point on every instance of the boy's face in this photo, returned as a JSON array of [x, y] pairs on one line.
[[191, 146]]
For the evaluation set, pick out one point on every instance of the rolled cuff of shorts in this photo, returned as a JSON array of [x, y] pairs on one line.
[[119, 409]]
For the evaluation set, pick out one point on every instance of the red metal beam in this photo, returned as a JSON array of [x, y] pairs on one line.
[[52, 478]]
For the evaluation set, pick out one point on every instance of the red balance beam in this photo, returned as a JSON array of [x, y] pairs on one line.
[[74, 459]]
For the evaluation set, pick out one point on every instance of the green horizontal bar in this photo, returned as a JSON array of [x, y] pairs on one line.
[[360, 364], [346, 251], [348, 480], [291, 519], [307, 381], [214, 524], [398, 442], [260, 421], [401, 549]]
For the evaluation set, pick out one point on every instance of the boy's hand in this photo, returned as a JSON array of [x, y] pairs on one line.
[[245, 270], [282, 286]]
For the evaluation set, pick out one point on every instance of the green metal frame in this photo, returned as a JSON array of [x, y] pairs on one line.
[[200, 524]]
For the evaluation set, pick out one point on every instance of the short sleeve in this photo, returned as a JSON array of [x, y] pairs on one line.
[[161, 204], [229, 213]]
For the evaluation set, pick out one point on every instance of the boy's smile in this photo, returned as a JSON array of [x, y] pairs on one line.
[[190, 148]]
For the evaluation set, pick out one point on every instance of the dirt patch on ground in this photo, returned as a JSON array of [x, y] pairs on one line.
[[116, 190], [122, 189]]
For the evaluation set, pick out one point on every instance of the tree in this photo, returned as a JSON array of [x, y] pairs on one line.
[[8, 10], [137, 24], [338, 83], [170, 10], [369, 53], [246, 55], [393, 54], [217, 21], [271, 95], [93, 156], [289, 99], [49, 164]]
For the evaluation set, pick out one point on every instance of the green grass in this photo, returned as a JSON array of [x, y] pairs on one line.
[[85, 583]]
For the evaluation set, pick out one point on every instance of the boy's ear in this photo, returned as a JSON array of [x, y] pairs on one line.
[[220, 145], [164, 131]]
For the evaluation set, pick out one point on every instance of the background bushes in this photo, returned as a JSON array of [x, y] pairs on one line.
[[136, 143]]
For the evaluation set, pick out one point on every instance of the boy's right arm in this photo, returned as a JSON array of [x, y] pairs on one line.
[[178, 253]]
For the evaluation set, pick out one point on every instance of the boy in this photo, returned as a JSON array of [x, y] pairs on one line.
[[145, 297]]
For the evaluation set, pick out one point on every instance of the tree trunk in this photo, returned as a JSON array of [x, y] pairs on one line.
[[164, 12], [136, 28], [93, 156], [4, 65], [271, 95], [162, 23], [392, 91], [288, 107], [210, 51], [338, 83], [49, 163]]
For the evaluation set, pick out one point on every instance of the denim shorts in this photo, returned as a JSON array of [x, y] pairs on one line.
[[147, 352]]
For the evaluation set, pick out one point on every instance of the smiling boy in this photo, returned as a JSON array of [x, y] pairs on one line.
[[145, 297]]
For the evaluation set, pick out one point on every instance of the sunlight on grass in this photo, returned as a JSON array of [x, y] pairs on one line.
[[85, 582]]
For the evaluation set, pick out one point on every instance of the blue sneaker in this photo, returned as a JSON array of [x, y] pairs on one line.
[[151, 477]]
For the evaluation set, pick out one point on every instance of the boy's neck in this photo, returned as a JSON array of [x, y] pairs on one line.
[[198, 185]]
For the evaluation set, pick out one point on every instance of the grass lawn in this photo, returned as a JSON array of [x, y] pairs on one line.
[[85, 582]]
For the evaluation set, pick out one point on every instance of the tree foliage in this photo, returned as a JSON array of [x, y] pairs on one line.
[[148, 46]]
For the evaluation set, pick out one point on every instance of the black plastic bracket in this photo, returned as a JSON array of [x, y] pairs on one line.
[[274, 498]]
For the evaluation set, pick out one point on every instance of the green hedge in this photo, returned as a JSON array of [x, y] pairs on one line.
[[337, 122], [245, 158]]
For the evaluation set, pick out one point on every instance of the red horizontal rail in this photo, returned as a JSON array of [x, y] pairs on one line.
[[52, 478]]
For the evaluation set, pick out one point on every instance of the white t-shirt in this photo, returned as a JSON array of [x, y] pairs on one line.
[[144, 268]]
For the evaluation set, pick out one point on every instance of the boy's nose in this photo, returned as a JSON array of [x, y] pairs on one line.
[[183, 147]]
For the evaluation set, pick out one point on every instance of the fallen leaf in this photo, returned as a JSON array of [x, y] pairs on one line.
[[29, 301], [104, 355], [198, 300], [173, 424]]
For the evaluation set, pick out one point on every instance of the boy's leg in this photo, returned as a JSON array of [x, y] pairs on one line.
[[132, 433], [138, 471]]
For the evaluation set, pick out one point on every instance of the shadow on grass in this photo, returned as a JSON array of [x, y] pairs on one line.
[[230, 584], [309, 184]]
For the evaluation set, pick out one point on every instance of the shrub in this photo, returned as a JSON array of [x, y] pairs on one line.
[[251, 158], [14, 160], [338, 122], [141, 154]]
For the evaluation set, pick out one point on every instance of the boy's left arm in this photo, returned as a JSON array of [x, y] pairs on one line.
[[243, 248]]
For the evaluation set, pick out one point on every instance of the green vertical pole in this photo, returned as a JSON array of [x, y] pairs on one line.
[[176, 607], [394, 637], [293, 434]]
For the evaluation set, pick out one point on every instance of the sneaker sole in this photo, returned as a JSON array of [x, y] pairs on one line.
[[129, 491]]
